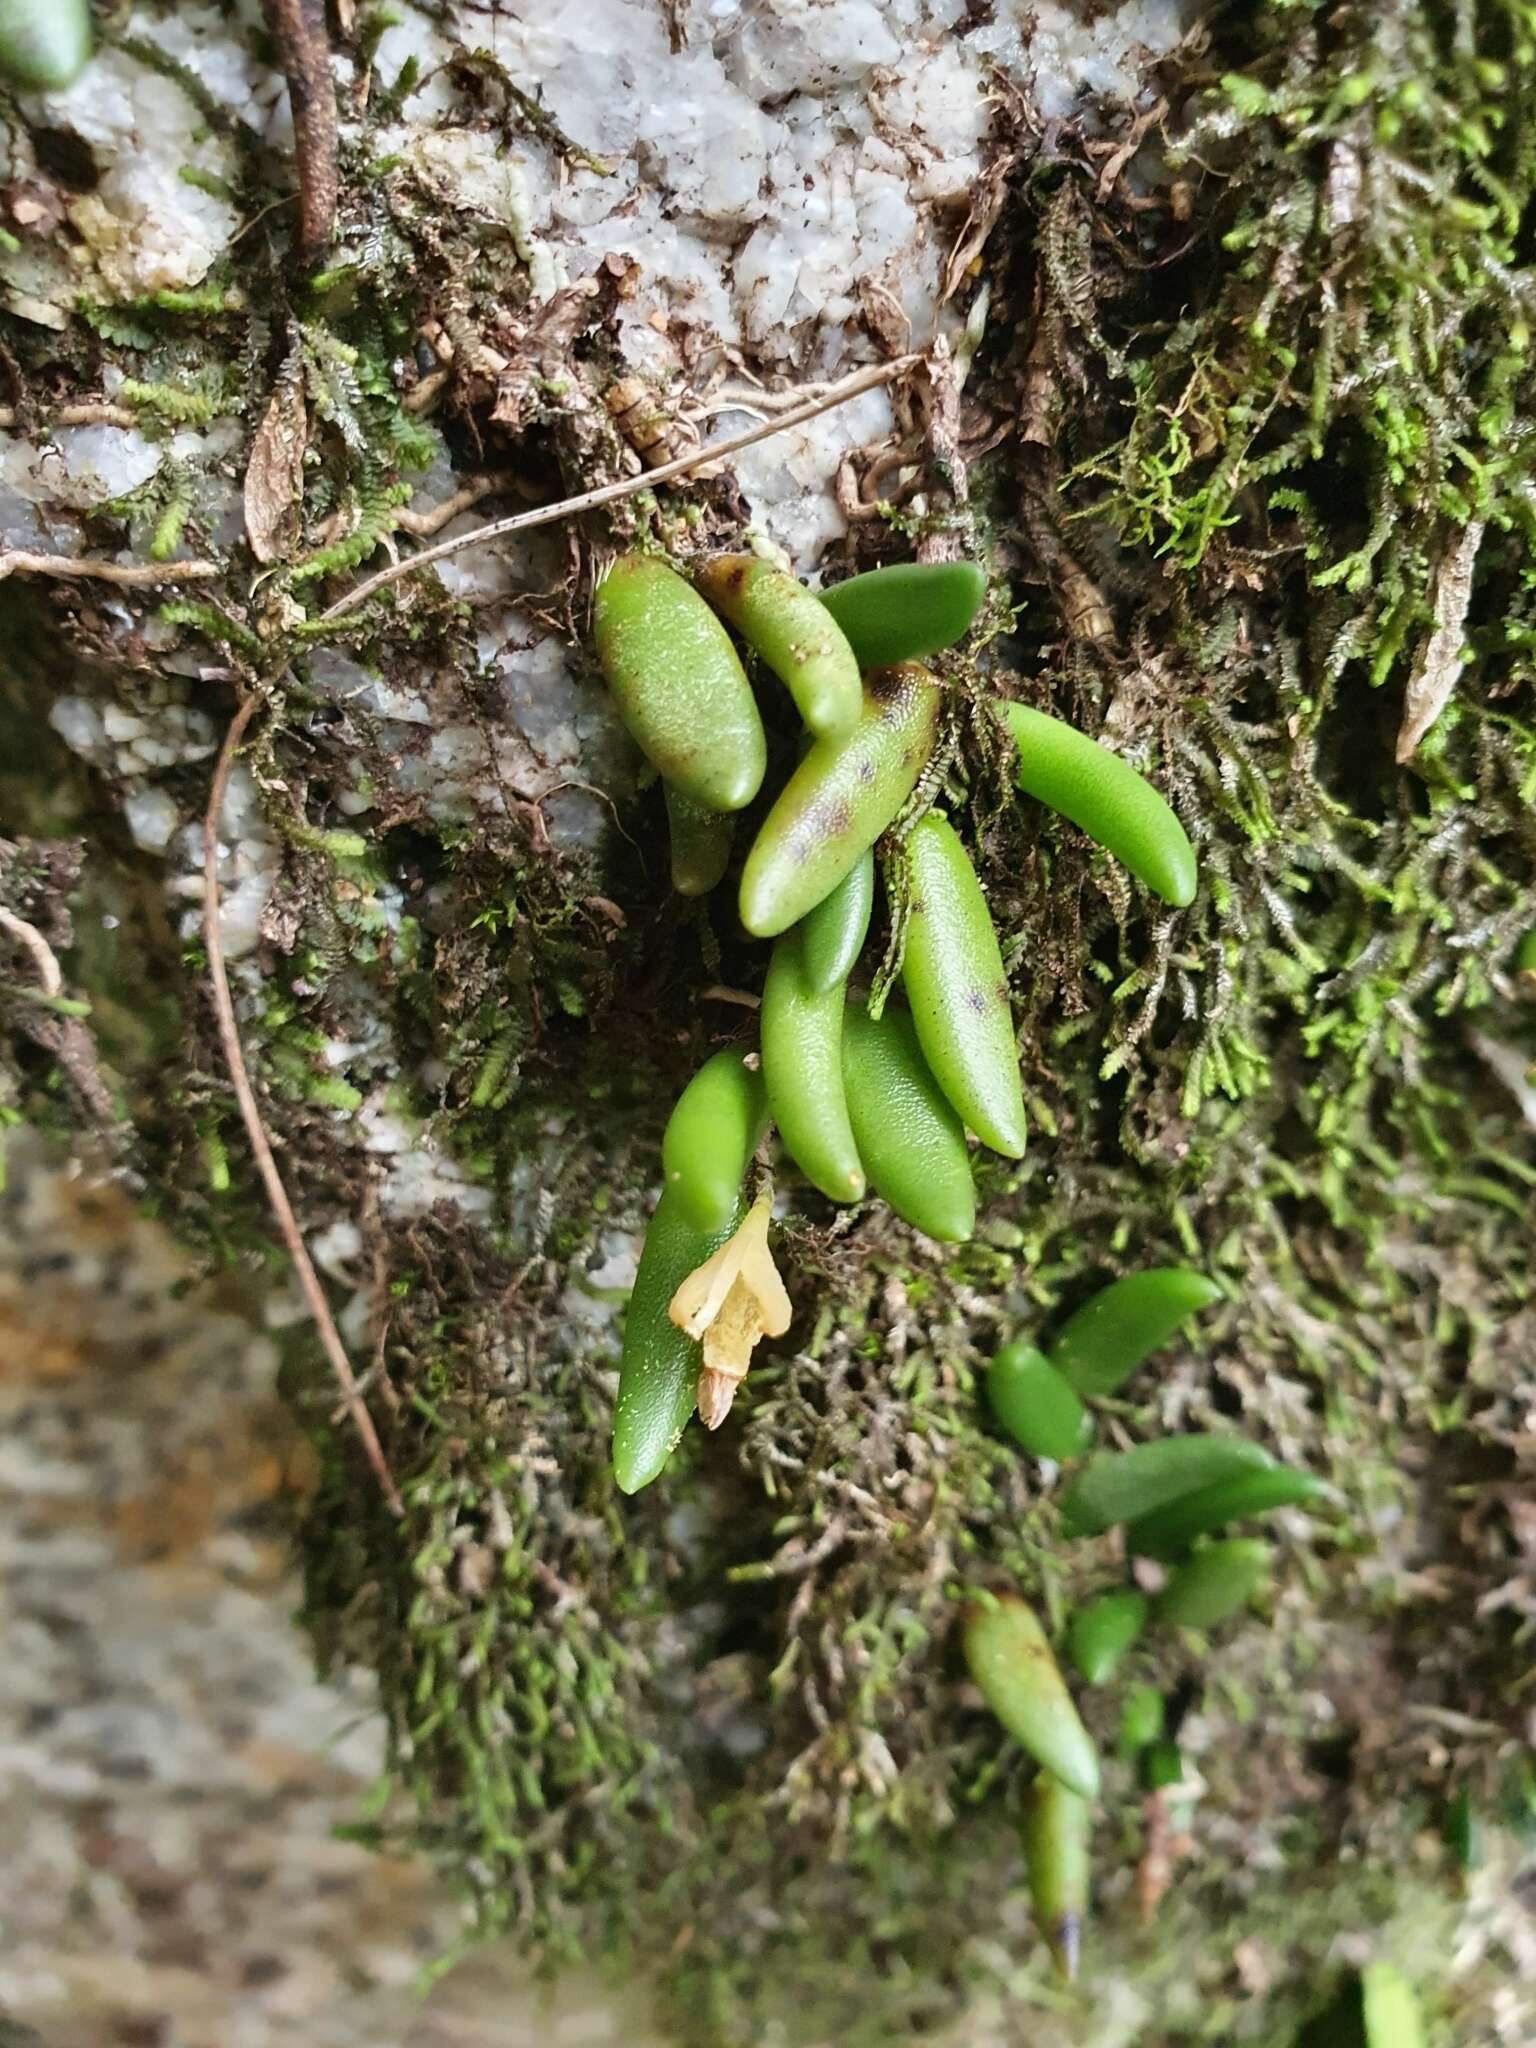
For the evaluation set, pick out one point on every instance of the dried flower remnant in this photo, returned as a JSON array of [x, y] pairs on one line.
[[728, 1304]]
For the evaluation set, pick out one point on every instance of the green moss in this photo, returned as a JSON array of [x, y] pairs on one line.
[[374, 517], [171, 523], [1353, 384], [172, 402], [206, 181], [213, 623]]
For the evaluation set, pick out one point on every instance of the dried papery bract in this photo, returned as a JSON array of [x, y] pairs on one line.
[[727, 1305]]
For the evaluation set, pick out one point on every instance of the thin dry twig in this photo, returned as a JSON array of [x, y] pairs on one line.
[[18, 562], [424, 524], [608, 494], [304, 53], [266, 1164]]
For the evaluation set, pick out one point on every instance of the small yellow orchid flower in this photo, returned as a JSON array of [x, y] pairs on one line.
[[728, 1303]]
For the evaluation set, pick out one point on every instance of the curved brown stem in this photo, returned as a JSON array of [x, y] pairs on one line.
[[255, 1129], [304, 52]]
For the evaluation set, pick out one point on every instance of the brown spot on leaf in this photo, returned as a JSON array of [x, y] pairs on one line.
[[828, 818]]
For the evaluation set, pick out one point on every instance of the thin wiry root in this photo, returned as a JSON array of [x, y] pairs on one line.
[[261, 1148], [77, 569]]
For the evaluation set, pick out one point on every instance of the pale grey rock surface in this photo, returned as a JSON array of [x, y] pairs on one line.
[[172, 1774]]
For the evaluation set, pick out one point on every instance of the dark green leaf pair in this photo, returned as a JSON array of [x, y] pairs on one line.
[[1198, 1478], [1123, 1486], [1039, 1399], [1171, 1493], [853, 1097], [1179, 1489], [1170, 1530]]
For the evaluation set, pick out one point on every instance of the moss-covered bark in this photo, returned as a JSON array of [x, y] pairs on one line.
[[1250, 443]]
